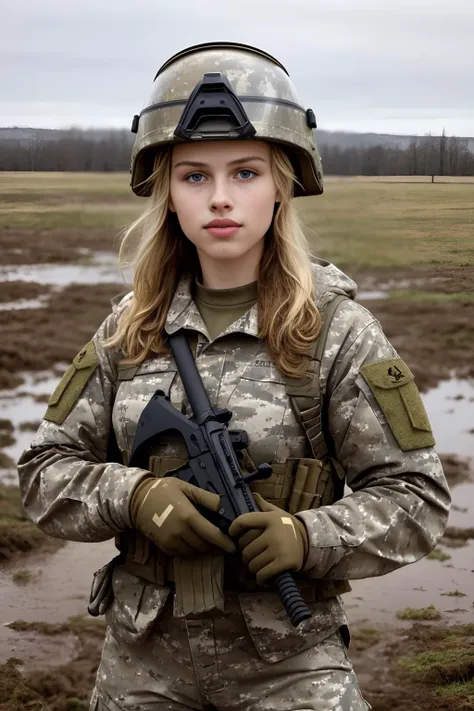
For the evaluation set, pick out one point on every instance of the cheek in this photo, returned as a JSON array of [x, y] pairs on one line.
[[183, 203], [262, 206]]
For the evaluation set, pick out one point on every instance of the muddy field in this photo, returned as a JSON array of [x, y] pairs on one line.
[[410, 246]]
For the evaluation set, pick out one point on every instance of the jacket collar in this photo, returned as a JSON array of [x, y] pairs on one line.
[[183, 313]]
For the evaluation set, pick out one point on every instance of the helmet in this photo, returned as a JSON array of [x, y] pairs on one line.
[[225, 90]]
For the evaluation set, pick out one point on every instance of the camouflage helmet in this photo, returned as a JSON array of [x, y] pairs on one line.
[[225, 90]]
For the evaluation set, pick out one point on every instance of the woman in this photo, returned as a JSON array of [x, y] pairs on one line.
[[193, 620]]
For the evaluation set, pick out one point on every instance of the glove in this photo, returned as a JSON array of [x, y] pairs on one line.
[[164, 510], [272, 540]]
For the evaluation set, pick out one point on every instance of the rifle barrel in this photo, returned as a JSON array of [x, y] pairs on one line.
[[194, 387]]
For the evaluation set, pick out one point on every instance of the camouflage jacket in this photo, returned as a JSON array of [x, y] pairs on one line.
[[395, 514]]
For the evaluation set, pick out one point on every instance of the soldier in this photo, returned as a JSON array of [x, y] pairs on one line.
[[193, 620]]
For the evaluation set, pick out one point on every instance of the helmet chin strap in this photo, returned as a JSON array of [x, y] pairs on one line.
[[214, 111]]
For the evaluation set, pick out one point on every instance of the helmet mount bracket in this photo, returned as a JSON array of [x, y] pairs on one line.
[[214, 111]]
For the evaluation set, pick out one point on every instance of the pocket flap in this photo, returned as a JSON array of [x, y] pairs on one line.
[[86, 358], [61, 386], [387, 374], [393, 387], [136, 606]]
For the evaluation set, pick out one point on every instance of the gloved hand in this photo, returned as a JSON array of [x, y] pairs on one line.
[[164, 510], [272, 540]]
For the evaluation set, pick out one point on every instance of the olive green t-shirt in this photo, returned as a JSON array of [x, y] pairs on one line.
[[219, 308]]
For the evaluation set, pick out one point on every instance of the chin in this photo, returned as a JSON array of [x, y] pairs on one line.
[[226, 252]]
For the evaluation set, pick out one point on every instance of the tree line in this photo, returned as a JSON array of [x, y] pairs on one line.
[[426, 155], [109, 151]]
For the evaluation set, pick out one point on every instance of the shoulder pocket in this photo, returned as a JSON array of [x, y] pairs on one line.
[[72, 384], [392, 384]]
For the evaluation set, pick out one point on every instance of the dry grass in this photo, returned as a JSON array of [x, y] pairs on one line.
[[375, 223]]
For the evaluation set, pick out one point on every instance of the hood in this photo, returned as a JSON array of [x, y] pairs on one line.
[[329, 281]]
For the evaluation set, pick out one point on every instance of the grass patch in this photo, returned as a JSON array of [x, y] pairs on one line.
[[365, 637], [17, 534], [447, 659], [22, 577], [436, 296], [454, 593], [423, 613], [438, 555], [458, 690]]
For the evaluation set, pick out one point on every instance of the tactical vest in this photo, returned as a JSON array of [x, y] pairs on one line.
[[295, 485]]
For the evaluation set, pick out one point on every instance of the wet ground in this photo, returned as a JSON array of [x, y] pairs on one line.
[[49, 309]]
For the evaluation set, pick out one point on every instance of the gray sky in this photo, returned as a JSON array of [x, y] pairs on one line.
[[392, 66]]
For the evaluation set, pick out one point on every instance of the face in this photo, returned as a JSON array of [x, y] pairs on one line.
[[224, 195]]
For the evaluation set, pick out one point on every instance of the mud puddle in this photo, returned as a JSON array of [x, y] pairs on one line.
[[58, 589]]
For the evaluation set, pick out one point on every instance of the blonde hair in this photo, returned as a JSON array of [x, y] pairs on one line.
[[288, 319]]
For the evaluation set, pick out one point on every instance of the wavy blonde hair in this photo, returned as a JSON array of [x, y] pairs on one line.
[[161, 254]]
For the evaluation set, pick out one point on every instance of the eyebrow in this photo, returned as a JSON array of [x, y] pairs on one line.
[[237, 161]]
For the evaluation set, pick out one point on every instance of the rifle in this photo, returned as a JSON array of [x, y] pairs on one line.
[[213, 464]]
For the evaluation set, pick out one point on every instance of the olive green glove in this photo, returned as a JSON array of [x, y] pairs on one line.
[[272, 540], [164, 510]]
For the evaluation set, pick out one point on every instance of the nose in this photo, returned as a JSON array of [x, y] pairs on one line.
[[220, 198]]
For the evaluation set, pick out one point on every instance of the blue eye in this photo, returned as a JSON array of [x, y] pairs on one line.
[[191, 178], [246, 174]]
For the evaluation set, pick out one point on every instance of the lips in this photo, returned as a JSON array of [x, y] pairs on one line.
[[222, 223], [222, 228]]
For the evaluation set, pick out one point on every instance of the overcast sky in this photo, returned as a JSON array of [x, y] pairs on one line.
[[390, 66]]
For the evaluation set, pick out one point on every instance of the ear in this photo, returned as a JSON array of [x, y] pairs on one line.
[[171, 206], [277, 198]]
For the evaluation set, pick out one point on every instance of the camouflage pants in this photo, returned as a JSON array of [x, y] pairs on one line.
[[213, 666]]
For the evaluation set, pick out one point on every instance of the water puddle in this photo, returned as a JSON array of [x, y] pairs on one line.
[[59, 589], [103, 269], [26, 303], [370, 295], [450, 407], [375, 601], [19, 406]]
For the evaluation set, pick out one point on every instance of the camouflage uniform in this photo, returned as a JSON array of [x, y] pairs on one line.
[[250, 657]]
